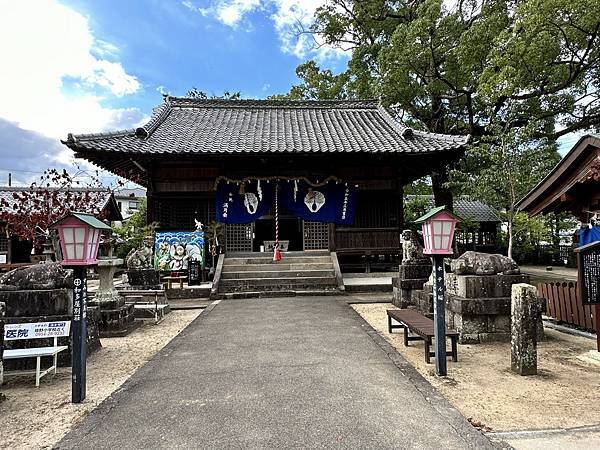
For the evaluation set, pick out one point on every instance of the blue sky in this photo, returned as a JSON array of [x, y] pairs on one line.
[[95, 65]]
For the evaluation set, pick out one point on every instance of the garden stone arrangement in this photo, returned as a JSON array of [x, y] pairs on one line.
[[478, 297], [42, 293]]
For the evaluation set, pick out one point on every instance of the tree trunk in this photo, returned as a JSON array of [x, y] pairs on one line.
[[442, 195], [510, 237]]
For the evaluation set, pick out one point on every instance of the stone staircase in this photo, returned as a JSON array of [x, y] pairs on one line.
[[247, 275]]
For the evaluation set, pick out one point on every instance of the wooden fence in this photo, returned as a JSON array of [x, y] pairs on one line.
[[564, 305]]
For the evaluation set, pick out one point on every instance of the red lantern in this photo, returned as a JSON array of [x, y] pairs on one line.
[[438, 231], [79, 236]]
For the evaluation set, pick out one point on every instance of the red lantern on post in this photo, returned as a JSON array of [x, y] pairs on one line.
[[438, 231], [438, 235], [79, 237]]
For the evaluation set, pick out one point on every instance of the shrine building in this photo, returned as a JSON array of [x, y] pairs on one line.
[[333, 171]]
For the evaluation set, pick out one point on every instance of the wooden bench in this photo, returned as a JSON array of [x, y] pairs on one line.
[[413, 321], [170, 279], [36, 330]]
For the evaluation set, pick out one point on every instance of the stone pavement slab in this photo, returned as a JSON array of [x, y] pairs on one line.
[[301, 372]]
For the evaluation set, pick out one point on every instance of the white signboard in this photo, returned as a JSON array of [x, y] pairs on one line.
[[2, 259], [14, 331]]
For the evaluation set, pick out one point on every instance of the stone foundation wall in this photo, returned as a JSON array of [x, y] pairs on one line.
[[477, 306], [411, 278]]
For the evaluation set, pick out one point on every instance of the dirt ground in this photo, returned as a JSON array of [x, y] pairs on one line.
[[33, 418], [565, 393]]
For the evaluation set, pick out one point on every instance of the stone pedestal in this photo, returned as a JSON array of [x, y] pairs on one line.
[[523, 343], [411, 277], [116, 318], [478, 306]]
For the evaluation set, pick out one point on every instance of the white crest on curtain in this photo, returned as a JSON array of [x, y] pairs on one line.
[[314, 200], [250, 202]]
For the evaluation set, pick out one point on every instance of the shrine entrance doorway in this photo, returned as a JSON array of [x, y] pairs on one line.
[[290, 229]]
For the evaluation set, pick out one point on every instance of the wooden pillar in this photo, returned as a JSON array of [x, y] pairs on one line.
[[150, 207], [400, 203]]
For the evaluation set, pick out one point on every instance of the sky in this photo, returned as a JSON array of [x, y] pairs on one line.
[[87, 66]]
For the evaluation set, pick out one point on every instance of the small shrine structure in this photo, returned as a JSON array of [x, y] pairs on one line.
[[573, 185], [337, 167]]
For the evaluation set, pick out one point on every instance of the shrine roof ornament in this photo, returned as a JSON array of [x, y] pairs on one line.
[[215, 126]]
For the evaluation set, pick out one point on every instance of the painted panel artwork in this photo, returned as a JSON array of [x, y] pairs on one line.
[[174, 249]]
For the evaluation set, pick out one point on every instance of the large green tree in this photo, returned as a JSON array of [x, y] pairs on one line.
[[515, 75]]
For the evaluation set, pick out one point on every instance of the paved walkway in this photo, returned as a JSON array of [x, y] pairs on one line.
[[276, 373]]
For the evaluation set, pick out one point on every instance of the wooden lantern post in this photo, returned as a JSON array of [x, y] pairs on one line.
[[79, 237], [438, 235]]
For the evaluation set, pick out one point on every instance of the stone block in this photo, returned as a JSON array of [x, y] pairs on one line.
[[39, 276], [414, 271], [38, 302], [524, 315], [483, 306], [486, 286]]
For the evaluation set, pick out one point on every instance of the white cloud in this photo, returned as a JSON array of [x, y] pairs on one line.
[[230, 12], [44, 46], [289, 18]]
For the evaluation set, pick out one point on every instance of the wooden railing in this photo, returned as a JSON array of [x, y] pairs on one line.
[[348, 240], [564, 305]]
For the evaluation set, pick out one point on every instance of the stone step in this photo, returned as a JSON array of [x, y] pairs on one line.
[[272, 294], [312, 281], [291, 254], [274, 284], [284, 260], [280, 274], [276, 266]]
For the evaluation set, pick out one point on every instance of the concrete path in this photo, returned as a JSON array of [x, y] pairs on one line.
[[276, 373]]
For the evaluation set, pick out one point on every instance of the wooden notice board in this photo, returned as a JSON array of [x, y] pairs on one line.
[[588, 262]]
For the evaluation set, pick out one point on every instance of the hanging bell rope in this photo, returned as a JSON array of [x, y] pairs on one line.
[[276, 252]]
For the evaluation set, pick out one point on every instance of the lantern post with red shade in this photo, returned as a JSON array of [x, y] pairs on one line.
[[438, 236], [79, 238]]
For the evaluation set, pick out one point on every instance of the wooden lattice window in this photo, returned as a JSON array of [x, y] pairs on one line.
[[238, 237], [316, 235], [3, 243]]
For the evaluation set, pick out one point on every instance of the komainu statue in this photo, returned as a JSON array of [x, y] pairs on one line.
[[141, 257], [412, 250], [476, 263]]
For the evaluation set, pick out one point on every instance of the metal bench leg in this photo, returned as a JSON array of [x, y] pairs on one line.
[[55, 362], [406, 331], [390, 324], [38, 365], [427, 354], [454, 349]]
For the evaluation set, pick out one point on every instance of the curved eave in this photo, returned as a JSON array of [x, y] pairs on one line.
[[544, 196]]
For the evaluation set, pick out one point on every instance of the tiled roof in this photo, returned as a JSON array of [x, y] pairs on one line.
[[130, 193], [204, 126], [467, 208], [102, 197]]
